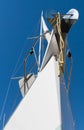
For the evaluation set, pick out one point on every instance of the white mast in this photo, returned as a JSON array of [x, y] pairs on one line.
[[39, 56], [46, 105]]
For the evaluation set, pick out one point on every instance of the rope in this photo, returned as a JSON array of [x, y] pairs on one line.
[[61, 56], [61, 45]]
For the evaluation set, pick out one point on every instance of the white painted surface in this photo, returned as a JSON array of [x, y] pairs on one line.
[[40, 109], [74, 14]]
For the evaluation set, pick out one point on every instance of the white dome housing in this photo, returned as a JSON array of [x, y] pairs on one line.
[[73, 14]]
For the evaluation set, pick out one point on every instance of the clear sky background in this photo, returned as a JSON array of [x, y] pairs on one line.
[[18, 20]]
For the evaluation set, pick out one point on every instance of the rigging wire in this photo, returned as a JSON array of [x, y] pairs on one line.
[[70, 73], [30, 69], [35, 30], [6, 96], [15, 69], [17, 95], [68, 103], [9, 85], [8, 88]]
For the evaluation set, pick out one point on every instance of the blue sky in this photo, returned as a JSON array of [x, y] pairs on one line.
[[18, 20]]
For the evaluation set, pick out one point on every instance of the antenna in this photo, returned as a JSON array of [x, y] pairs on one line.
[[39, 56]]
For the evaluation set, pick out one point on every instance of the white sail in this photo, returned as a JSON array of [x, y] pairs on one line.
[[45, 30], [40, 109], [46, 106]]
